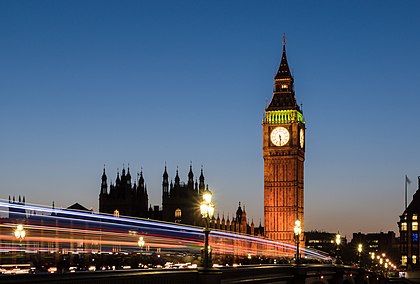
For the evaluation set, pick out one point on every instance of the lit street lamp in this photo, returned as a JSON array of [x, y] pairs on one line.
[[20, 232], [372, 255], [297, 230], [207, 212], [338, 242], [141, 243], [359, 250]]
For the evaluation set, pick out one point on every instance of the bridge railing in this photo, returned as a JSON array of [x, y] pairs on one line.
[[287, 274]]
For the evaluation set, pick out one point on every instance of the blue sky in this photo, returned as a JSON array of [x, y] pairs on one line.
[[88, 83]]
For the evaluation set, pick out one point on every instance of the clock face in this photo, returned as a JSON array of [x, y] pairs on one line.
[[301, 138], [279, 136]]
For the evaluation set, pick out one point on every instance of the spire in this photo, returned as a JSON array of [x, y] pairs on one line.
[[104, 184], [104, 177], [176, 177], [239, 213], [165, 174], [190, 174], [128, 173], [201, 185], [141, 180], [284, 70], [118, 180], [283, 93], [165, 183]]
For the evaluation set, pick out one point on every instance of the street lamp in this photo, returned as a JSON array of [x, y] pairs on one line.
[[140, 243], [20, 232], [207, 212], [359, 250], [338, 242], [372, 256], [297, 230]]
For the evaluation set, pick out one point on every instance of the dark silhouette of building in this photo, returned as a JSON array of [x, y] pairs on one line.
[[179, 200], [123, 197], [17, 213], [409, 233]]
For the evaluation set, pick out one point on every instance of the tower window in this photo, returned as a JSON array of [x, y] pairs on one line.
[[414, 259], [284, 86], [415, 226], [414, 216], [404, 226]]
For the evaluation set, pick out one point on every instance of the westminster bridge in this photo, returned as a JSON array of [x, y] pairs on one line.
[[49, 245]]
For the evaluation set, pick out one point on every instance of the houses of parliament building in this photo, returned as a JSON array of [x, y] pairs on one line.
[[179, 201]]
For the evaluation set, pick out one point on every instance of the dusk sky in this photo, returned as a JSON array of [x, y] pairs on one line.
[[144, 83]]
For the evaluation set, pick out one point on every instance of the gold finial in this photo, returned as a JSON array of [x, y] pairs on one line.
[[284, 39]]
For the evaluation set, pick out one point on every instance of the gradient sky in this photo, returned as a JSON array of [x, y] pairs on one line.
[[88, 83]]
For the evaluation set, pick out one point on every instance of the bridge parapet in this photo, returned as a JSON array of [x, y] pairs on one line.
[[284, 274]]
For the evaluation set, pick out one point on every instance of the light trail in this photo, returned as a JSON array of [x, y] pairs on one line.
[[63, 230]]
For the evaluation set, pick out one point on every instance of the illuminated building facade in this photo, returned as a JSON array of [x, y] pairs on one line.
[[284, 155], [322, 241], [409, 233]]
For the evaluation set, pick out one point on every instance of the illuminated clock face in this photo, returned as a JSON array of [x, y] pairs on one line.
[[279, 136], [301, 138]]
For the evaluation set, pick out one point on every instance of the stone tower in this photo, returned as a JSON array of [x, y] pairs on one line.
[[284, 155]]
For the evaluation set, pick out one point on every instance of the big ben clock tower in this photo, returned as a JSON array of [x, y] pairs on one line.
[[284, 156]]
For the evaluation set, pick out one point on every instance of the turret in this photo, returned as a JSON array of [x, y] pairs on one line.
[[177, 178], [104, 184], [190, 178], [141, 180], [128, 177], [118, 180], [201, 185], [239, 214], [165, 186]]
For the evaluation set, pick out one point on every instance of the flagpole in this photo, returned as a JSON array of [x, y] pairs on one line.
[[405, 191]]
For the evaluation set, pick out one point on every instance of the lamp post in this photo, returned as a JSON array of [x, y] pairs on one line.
[[338, 242], [207, 212], [297, 230], [359, 250], [372, 256], [20, 232], [140, 243]]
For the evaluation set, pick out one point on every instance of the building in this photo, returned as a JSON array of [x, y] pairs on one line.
[[284, 155], [323, 241], [377, 243], [123, 197], [179, 199], [409, 233], [180, 202]]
